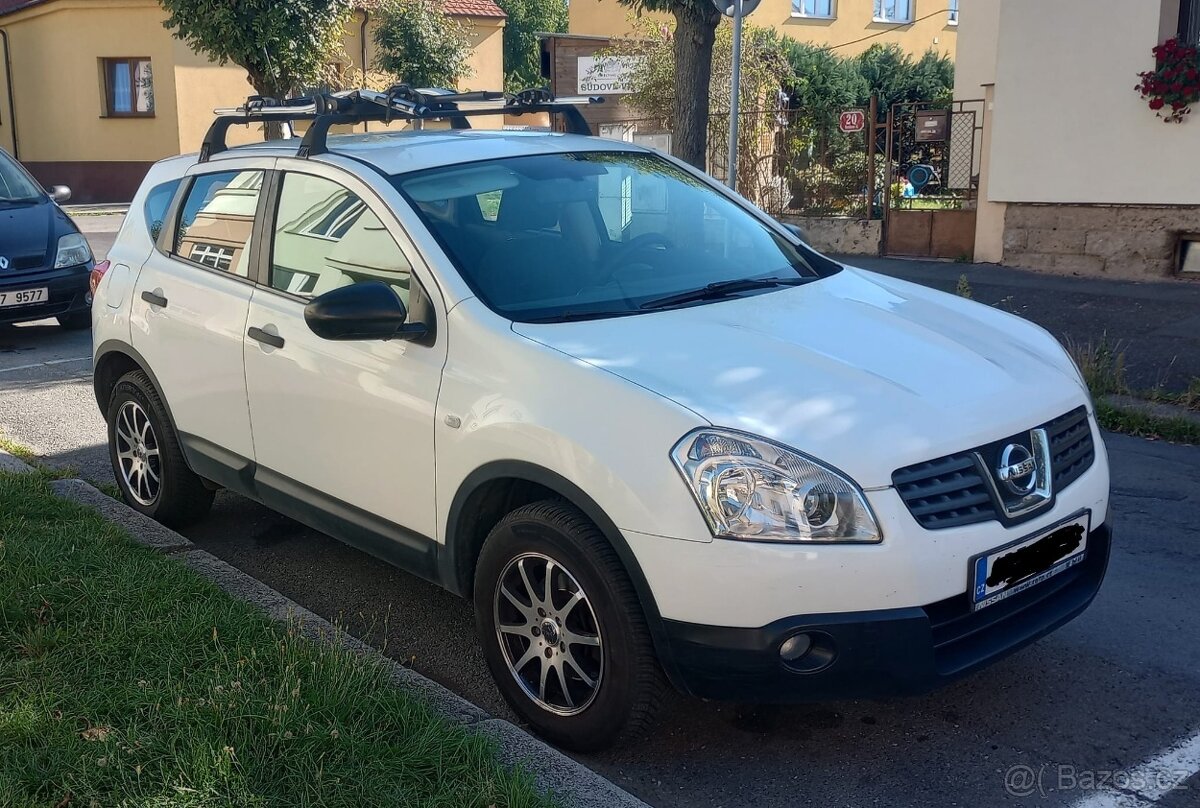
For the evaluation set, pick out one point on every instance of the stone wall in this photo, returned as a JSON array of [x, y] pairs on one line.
[[840, 235], [1098, 240]]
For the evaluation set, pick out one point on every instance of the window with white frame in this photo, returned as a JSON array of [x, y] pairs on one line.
[[954, 12], [894, 10], [821, 9]]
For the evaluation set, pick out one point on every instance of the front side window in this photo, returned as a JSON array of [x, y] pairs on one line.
[[326, 237], [15, 186], [217, 221], [894, 10], [128, 88], [596, 234], [813, 8]]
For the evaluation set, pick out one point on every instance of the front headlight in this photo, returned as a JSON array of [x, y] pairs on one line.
[[73, 250], [753, 489]]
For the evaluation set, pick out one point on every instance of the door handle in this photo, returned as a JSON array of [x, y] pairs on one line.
[[154, 299], [257, 334]]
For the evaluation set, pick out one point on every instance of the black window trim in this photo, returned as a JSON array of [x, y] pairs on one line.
[[166, 238]]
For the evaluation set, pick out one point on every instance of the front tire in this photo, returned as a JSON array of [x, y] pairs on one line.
[[75, 321], [146, 456], [562, 629]]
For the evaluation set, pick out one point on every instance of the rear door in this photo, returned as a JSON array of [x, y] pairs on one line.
[[189, 308], [344, 431]]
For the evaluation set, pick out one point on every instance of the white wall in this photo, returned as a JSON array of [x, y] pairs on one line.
[[975, 65], [1068, 125]]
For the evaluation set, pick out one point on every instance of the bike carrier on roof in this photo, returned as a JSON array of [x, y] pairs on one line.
[[400, 102]]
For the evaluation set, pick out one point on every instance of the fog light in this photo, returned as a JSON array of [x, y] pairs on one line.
[[795, 647]]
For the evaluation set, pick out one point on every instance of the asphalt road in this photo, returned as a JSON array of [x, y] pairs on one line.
[[1107, 692]]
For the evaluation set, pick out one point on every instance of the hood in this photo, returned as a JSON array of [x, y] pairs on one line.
[[31, 230], [859, 370]]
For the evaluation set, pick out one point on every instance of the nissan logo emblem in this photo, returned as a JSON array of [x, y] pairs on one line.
[[1017, 469]]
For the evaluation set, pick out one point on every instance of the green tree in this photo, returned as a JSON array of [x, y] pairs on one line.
[[283, 46], [418, 44], [695, 31], [522, 53], [893, 74], [823, 83]]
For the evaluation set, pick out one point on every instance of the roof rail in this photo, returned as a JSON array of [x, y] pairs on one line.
[[399, 102]]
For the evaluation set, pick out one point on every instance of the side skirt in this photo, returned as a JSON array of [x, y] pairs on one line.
[[395, 544]]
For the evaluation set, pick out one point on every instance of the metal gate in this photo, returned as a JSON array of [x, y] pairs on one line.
[[932, 178]]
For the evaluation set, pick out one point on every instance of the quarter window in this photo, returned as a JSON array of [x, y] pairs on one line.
[[128, 88], [894, 10], [326, 237], [217, 221], [156, 204]]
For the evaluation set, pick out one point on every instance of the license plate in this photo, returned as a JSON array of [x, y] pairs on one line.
[[24, 297], [1001, 573]]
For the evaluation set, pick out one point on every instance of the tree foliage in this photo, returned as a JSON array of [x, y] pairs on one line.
[[897, 78], [522, 53], [283, 46], [418, 44]]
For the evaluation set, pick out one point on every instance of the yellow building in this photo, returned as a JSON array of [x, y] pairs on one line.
[[850, 26], [94, 91]]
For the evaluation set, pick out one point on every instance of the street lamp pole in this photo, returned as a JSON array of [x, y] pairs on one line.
[[738, 10], [735, 93]]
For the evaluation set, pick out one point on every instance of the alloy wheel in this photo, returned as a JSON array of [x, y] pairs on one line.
[[138, 454], [548, 634]]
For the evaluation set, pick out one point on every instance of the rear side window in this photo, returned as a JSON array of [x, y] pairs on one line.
[[217, 220], [156, 204]]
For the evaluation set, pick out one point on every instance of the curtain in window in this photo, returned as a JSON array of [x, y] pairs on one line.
[[893, 10], [1189, 21], [813, 8], [143, 82], [121, 86]]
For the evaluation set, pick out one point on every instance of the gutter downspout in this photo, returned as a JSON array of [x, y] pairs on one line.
[[362, 45], [12, 104]]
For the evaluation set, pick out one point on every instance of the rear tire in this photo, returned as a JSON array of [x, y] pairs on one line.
[[75, 321], [572, 653], [146, 456]]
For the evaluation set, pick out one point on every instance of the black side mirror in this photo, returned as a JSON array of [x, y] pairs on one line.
[[796, 231], [361, 311], [60, 193]]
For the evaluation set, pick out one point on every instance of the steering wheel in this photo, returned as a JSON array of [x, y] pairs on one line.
[[629, 249]]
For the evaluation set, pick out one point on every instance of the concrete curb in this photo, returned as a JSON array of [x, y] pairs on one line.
[[573, 782]]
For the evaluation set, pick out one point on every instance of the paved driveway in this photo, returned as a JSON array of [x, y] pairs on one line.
[[1086, 706]]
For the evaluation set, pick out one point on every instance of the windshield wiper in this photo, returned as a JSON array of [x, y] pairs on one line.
[[720, 289], [584, 314]]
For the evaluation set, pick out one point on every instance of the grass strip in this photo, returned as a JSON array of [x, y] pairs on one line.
[[126, 679], [1145, 425]]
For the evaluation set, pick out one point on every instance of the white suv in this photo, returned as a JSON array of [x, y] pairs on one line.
[[653, 435]]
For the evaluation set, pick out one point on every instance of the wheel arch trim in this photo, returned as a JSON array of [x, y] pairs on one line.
[[457, 541]]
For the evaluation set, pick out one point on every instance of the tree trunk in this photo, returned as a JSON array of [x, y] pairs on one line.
[[264, 86], [695, 31]]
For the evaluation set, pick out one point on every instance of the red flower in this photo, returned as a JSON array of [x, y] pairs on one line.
[[1156, 103]]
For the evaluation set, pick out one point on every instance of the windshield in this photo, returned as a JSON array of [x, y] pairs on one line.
[[596, 234], [15, 185]]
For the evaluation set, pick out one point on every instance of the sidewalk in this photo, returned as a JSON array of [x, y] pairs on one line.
[[1157, 324]]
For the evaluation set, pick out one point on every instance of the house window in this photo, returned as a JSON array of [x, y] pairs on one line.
[[893, 10], [1189, 21], [954, 12], [821, 9], [128, 88]]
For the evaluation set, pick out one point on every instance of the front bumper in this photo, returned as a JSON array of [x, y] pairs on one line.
[[67, 289], [882, 652]]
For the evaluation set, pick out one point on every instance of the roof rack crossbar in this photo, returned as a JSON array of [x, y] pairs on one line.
[[399, 102]]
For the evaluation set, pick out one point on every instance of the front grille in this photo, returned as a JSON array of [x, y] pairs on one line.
[[951, 491], [1071, 447], [22, 262]]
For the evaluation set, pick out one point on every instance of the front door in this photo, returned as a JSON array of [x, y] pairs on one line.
[[343, 431], [188, 316]]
